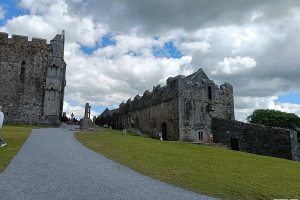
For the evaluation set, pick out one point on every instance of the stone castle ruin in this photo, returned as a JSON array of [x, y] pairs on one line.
[[181, 110], [188, 108], [193, 108], [33, 75]]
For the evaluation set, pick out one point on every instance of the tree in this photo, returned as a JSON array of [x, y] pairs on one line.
[[274, 118]]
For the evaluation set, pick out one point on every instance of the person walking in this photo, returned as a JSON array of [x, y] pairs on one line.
[[132, 123], [64, 121], [3, 143]]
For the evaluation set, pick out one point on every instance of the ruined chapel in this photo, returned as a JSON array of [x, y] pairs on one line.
[[192, 108], [181, 110], [32, 76]]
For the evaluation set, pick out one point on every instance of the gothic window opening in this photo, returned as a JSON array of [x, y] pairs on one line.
[[209, 93]]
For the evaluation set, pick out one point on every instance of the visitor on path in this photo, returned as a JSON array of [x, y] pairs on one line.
[[64, 121], [132, 123], [3, 143]]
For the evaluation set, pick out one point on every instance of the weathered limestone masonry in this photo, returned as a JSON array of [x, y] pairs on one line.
[[181, 110], [200, 100], [257, 139], [32, 75]]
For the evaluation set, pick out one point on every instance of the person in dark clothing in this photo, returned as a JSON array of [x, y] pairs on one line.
[[64, 121]]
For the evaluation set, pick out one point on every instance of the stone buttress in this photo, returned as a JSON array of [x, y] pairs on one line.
[[55, 83]]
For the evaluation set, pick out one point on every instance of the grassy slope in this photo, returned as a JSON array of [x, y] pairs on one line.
[[208, 170], [15, 136]]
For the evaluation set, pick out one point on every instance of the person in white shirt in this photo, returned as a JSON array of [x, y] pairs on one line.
[[1, 122]]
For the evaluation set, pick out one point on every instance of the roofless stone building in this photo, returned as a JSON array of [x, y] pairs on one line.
[[181, 110], [190, 107], [32, 76]]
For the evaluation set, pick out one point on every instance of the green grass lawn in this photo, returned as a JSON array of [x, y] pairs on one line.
[[15, 136], [207, 170]]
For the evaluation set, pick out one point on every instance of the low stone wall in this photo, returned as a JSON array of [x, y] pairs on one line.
[[256, 139]]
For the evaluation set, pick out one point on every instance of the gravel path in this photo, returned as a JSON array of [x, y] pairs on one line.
[[52, 164]]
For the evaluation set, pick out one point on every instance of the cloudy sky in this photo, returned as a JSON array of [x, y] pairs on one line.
[[117, 49]]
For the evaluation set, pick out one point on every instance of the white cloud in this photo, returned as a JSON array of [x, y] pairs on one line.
[[225, 43], [2, 12], [114, 76], [246, 105], [78, 111], [195, 46], [287, 107], [47, 18], [234, 65]]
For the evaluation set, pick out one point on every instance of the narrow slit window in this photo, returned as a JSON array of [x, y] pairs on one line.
[[209, 93]]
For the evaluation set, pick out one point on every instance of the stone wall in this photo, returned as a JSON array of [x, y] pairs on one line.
[[23, 73], [23, 66], [200, 100], [182, 109], [256, 139], [154, 111]]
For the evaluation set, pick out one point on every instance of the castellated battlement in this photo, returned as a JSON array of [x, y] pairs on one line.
[[179, 86], [21, 39], [157, 96]]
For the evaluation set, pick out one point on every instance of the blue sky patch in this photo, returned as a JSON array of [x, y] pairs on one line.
[[89, 50], [98, 109], [168, 51], [289, 98], [11, 11], [106, 41]]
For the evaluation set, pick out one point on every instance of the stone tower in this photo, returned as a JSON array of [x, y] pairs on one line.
[[55, 83], [32, 76]]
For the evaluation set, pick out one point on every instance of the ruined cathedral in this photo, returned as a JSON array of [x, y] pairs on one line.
[[32, 76], [192, 108], [181, 110]]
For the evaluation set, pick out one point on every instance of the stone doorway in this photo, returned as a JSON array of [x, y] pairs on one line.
[[164, 131], [234, 144]]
